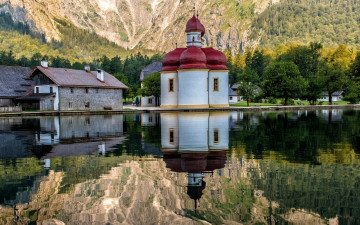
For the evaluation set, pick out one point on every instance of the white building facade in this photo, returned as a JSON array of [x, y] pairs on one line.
[[194, 77]]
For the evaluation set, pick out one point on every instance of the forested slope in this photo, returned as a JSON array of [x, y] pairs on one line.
[[330, 22]]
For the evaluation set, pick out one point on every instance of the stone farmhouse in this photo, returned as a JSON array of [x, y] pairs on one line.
[[69, 89]]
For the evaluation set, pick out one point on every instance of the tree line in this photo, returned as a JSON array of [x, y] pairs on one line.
[[296, 71]]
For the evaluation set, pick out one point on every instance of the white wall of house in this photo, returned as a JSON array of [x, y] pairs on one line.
[[334, 98], [148, 101], [233, 99], [45, 89]]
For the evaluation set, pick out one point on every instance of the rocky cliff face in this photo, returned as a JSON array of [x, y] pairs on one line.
[[150, 24]]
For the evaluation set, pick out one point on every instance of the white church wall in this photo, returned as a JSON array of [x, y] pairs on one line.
[[193, 89], [219, 98], [169, 99]]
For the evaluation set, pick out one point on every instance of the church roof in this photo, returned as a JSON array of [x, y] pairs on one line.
[[13, 82], [151, 68], [194, 24], [72, 78]]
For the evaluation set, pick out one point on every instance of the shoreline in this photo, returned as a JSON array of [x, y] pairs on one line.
[[158, 110]]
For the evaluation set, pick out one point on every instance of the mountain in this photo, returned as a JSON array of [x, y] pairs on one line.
[[159, 24]]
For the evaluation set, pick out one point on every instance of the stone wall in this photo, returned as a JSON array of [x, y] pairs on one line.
[[92, 99], [47, 103], [5, 102]]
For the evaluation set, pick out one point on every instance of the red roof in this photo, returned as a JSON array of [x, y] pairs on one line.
[[194, 24], [171, 60], [215, 59], [71, 78], [193, 58]]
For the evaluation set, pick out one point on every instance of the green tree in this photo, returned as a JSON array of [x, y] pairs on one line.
[[249, 75], [333, 79], [151, 86], [313, 90], [127, 93], [283, 80], [247, 90]]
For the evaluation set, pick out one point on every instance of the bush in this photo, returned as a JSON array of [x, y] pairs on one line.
[[258, 99], [353, 98], [272, 100], [290, 101]]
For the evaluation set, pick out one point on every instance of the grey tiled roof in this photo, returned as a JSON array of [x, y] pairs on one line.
[[71, 77], [13, 81], [231, 92], [149, 69]]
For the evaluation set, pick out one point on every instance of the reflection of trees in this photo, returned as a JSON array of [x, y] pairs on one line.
[[329, 190], [297, 140]]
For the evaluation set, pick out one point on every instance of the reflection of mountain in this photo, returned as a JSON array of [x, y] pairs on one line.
[[145, 192]]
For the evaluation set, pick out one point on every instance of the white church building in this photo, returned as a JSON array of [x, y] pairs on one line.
[[194, 77]]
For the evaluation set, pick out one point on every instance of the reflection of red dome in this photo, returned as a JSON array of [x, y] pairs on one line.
[[193, 163], [171, 60], [216, 160], [193, 58], [194, 24], [216, 60], [173, 161]]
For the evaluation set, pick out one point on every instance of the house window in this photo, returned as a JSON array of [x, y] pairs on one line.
[[87, 104], [150, 119], [51, 89], [216, 136], [87, 120], [171, 85], [86, 90], [171, 136], [37, 90], [97, 90], [230, 98], [70, 105], [71, 90], [150, 101], [216, 84]]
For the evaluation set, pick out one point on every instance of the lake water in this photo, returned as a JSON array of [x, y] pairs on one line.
[[298, 167]]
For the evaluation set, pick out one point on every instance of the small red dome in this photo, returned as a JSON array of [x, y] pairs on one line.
[[193, 58], [171, 60], [194, 24], [215, 59]]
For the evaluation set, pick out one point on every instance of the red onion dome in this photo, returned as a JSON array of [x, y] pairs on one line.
[[216, 60], [194, 24], [171, 60], [193, 58]]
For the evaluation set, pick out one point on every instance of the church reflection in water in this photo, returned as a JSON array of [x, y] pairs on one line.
[[195, 143]]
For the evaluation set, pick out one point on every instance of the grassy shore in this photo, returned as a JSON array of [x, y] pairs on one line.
[[296, 103]]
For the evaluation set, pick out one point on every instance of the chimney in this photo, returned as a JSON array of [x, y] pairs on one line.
[[87, 68], [44, 64], [100, 75]]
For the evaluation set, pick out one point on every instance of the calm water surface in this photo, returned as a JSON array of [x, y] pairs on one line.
[[299, 167]]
